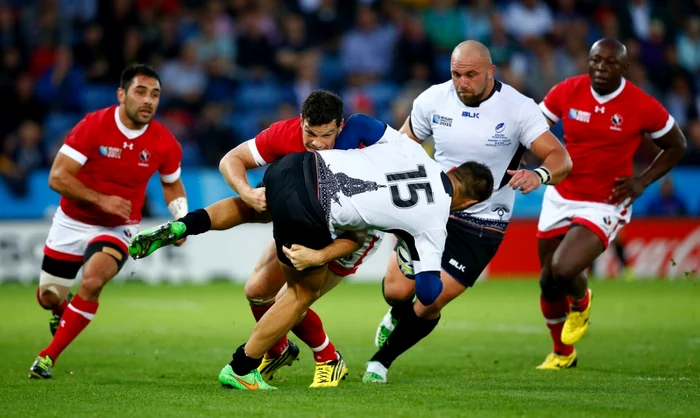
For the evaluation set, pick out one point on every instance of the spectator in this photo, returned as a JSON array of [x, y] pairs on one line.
[[667, 203], [61, 87]]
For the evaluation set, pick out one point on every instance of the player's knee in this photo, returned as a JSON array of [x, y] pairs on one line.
[[257, 293], [396, 290], [562, 271], [92, 286], [48, 299]]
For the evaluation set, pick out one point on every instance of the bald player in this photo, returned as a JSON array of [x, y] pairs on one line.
[[472, 117], [605, 118]]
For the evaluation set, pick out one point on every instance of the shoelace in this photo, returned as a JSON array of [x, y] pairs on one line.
[[324, 374]]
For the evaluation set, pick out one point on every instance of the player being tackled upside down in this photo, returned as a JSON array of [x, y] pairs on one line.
[[319, 127], [390, 186], [605, 118], [102, 172]]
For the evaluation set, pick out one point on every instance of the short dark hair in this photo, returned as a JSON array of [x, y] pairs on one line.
[[137, 69], [322, 107], [475, 180]]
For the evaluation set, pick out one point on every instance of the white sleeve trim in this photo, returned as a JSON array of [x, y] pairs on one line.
[[171, 178], [259, 160], [663, 131], [548, 113], [73, 153]]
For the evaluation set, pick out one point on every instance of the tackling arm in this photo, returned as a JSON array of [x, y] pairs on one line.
[[233, 167], [344, 245]]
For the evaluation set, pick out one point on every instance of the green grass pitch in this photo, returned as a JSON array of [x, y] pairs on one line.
[[155, 351]]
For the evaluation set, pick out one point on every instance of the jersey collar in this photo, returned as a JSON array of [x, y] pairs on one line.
[[602, 99], [447, 184], [129, 133], [497, 86]]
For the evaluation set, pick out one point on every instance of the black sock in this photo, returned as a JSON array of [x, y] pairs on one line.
[[409, 330], [242, 364], [399, 309], [197, 222]]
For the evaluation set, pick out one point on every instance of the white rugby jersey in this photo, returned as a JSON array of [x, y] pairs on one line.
[[392, 185], [495, 133]]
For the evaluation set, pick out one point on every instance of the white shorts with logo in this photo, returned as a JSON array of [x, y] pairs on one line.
[[349, 265], [558, 214], [68, 239]]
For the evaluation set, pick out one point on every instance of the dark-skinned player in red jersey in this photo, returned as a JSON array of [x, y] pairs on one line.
[[605, 118]]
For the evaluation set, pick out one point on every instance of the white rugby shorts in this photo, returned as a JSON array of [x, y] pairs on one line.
[[558, 214]]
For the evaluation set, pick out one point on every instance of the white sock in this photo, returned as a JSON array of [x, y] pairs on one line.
[[378, 368]]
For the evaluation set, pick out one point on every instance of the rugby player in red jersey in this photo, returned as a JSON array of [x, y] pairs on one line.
[[318, 128], [101, 172], [605, 118]]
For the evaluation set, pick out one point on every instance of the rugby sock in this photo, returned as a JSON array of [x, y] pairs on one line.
[[409, 330], [554, 316], [582, 304], [197, 222], [282, 344], [242, 364], [78, 315], [401, 308], [310, 331]]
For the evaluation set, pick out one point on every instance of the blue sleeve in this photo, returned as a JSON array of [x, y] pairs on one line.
[[360, 129], [428, 287]]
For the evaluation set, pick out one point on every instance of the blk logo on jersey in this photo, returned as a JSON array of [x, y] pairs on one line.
[[128, 145], [442, 120], [616, 121], [110, 152], [580, 115], [470, 115]]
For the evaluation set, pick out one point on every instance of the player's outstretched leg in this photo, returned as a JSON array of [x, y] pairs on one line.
[[148, 241]]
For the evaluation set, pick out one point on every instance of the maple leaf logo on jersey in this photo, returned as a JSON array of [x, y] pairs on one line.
[[144, 156], [616, 121]]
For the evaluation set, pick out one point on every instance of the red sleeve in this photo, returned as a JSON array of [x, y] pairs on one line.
[[78, 144], [277, 141], [170, 168], [656, 121], [552, 104]]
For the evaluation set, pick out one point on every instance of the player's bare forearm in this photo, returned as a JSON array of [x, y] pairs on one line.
[[554, 156], [233, 168], [673, 147], [172, 191], [63, 180], [342, 246]]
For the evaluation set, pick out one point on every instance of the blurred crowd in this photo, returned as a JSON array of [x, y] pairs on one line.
[[231, 67]]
